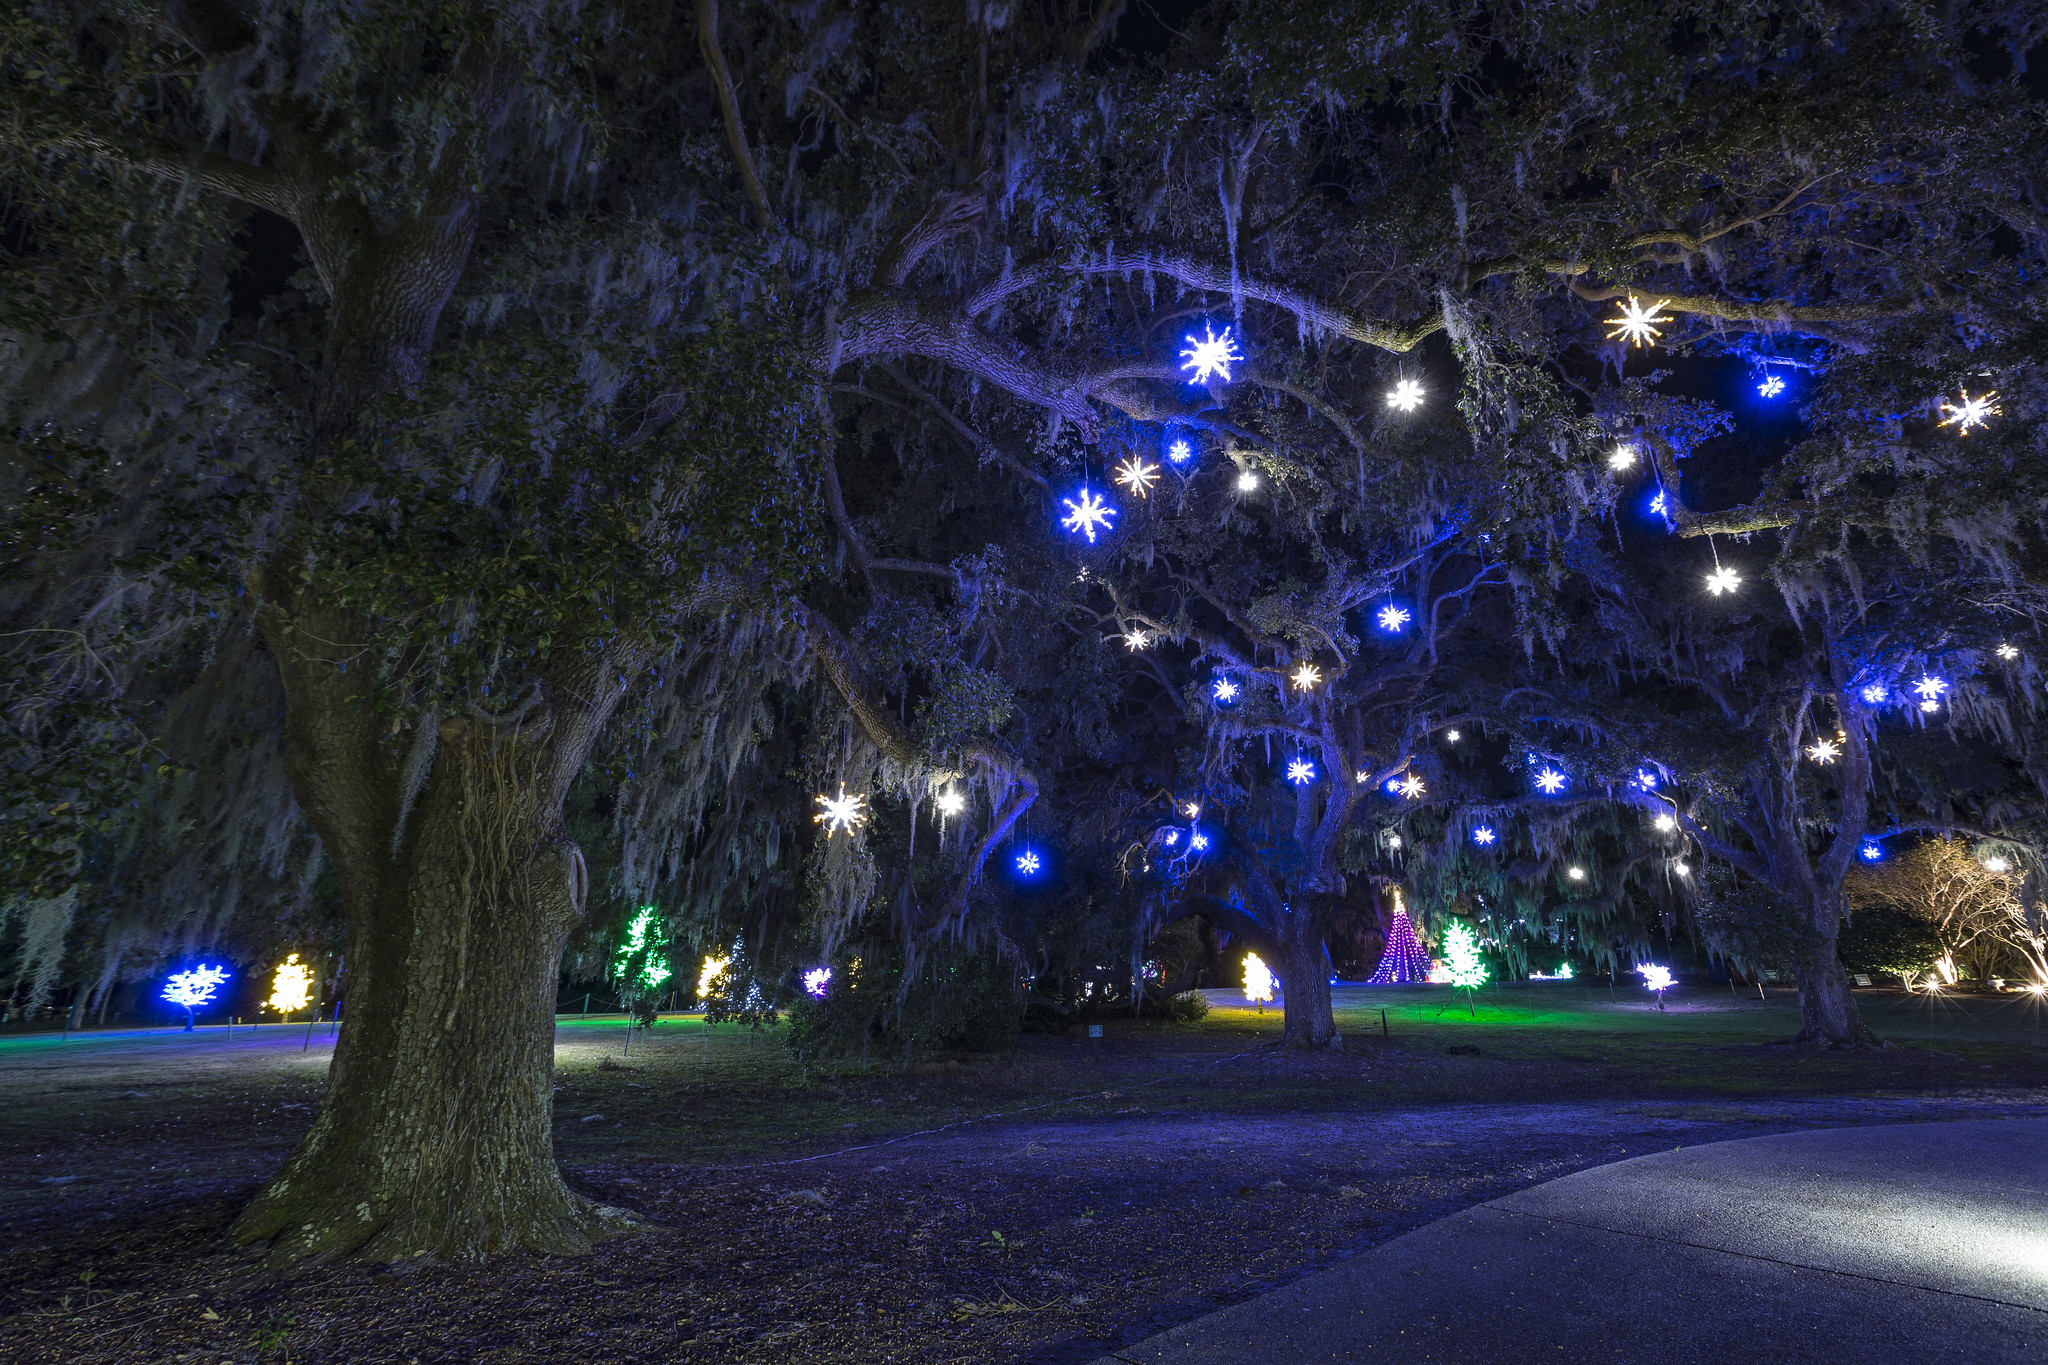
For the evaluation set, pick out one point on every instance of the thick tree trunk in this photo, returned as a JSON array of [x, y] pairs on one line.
[[436, 1134], [1305, 977], [1828, 1015]]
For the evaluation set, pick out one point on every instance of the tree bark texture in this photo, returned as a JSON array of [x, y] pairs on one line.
[[436, 1132], [1305, 975]]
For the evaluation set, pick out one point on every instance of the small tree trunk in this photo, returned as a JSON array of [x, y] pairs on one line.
[[1304, 976]]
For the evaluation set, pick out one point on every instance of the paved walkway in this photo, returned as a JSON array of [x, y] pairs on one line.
[[1920, 1242]]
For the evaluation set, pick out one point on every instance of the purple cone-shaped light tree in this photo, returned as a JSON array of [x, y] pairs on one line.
[[1404, 962]]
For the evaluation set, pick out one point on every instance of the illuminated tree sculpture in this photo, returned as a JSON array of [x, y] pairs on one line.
[[641, 966], [291, 988], [1404, 963], [195, 987], [1258, 981], [1461, 959]]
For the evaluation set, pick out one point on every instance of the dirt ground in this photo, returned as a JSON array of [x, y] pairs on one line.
[[1040, 1206]]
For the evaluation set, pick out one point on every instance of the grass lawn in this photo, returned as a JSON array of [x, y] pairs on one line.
[[1044, 1204]]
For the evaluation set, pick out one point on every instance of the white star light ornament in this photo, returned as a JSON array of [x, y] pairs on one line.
[[1247, 482], [1823, 751], [1577, 874], [1307, 676], [1621, 457], [1392, 617], [1723, 579], [1412, 788], [1483, 836], [1193, 810], [1180, 452], [951, 802], [1550, 781], [2008, 652], [1136, 639], [1875, 693], [1646, 779], [1027, 863], [1969, 412], [1088, 515], [1199, 842], [1452, 735], [1665, 824], [1211, 355], [1658, 505], [1771, 387], [1681, 867], [1136, 476], [1224, 691], [1172, 838], [1930, 687], [841, 813], [1406, 397], [1301, 771], [1638, 324]]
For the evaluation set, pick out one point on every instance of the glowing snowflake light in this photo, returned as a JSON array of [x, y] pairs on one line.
[[193, 988], [2008, 652], [1136, 639], [1639, 325], [1621, 457], [1393, 839], [816, 980], [1211, 355], [1199, 842], [1577, 874], [1393, 785], [1406, 397], [1646, 779], [1180, 452], [1665, 824], [1192, 810], [1970, 412], [1453, 736], [1088, 515], [1655, 978], [1224, 691], [951, 802], [841, 813], [1028, 863], [1930, 705], [1307, 676], [1392, 617], [1247, 482], [1723, 579], [1771, 387], [1681, 867], [1658, 505], [1823, 751], [1137, 476], [1876, 692], [1412, 788], [1872, 851], [291, 987], [1550, 781], [1930, 687], [1258, 980], [1301, 772], [1483, 836], [1171, 838]]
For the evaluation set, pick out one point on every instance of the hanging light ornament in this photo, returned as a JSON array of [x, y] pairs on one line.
[[816, 981], [1638, 324], [1180, 452], [1199, 842], [1406, 397], [1137, 476], [1392, 617], [1224, 690], [1823, 751], [1577, 874], [1028, 863], [1665, 824], [1658, 505], [1211, 355], [1872, 851], [1621, 457], [1136, 639], [1088, 514], [1193, 810], [1681, 867], [1646, 779], [1930, 687], [1412, 787], [1247, 482], [1171, 838], [1875, 693], [1969, 412], [1550, 781], [1453, 736], [1771, 387], [951, 802], [1301, 771], [1307, 676], [841, 813], [2008, 652], [1723, 579], [1483, 836]]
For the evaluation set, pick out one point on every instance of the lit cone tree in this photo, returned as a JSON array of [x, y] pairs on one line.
[[1404, 962]]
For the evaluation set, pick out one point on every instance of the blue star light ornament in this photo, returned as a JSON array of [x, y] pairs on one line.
[[1088, 515], [1301, 771], [1771, 387], [1550, 781], [1392, 617], [1873, 851], [1179, 450], [1483, 836], [1211, 355], [1028, 863], [1876, 693]]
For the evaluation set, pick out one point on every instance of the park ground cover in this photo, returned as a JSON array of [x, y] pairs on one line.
[[1042, 1205]]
